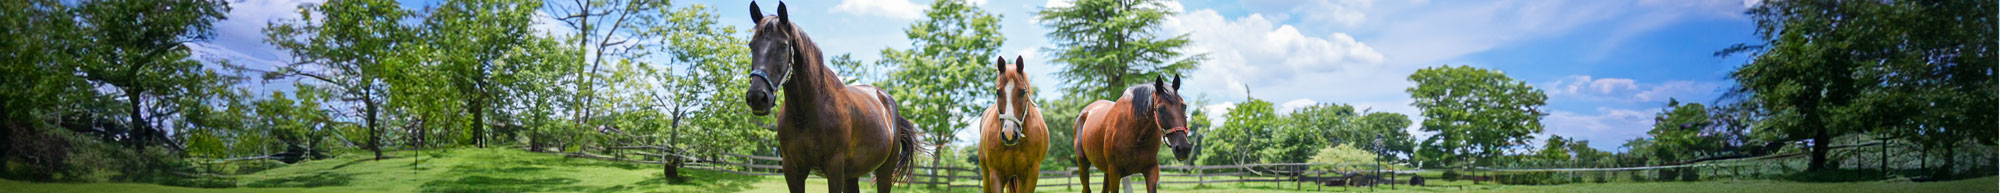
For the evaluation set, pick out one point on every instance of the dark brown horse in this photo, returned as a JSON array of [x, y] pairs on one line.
[[1123, 138], [1013, 139], [841, 131]]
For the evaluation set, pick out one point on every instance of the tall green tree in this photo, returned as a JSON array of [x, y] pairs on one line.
[[1918, 69], [1389, 126], [1678, 132], [139, 48], [470, 40], [1103, 46], [348, 50], [1248, 128], [948, 65], [1477, 113], [702, 85]]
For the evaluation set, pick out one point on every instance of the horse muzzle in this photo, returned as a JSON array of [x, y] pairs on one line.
[[1010, 132]]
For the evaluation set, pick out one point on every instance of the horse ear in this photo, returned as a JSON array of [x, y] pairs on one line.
[[1002, 63], [1177, 82], [782, 17], [756, 14], [1159, 85], [1018, 66]]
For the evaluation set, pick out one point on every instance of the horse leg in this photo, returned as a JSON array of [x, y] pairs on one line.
[[1153, 180], [795, 177], [885, 178], [1111, 181], [836, 177], [1028, 184], [1083, 171], [854, 184], [986, 178]]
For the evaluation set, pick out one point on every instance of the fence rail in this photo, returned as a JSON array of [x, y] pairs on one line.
[[1298, 174]]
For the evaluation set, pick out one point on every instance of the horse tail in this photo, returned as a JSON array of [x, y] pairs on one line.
[[906, 138], [1076, 144], [906, 134]]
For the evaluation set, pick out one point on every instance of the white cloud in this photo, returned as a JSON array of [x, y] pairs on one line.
[[1258, 51], [1627, 90], [899, 9], [1058, 3], [1607, 128], [1295, 104]]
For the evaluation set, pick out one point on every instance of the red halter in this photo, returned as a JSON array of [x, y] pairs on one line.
[[1156, 121]]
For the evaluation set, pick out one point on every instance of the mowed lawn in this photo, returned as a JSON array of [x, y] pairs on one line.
[[508, 170]]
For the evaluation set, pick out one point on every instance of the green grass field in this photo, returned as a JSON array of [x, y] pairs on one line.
[[507, 170]]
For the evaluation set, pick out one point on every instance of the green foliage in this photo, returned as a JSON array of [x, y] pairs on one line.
[[1343, 157], [1828, 68], [1246, 133], [948, 68], [1104, 45], [1678, 133], [1060, 115], [1477, 114]]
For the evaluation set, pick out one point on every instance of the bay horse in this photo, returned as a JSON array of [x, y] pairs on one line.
[[841, 131], [1013, 139], [1123, 138]]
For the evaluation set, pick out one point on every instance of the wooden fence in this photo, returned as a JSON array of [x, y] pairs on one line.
[[1297, 175]]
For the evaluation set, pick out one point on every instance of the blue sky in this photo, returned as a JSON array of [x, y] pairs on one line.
[[1607, 66]]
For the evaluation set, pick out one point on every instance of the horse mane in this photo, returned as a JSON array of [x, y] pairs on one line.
[[1142, 100], [807, 61]]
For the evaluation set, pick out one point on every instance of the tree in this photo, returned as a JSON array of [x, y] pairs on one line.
[[1827, 68], [348, 51], [1477, 113], [1104, 45], [702, 85], [1312, 128], [470, 40], [1678, 132], [1390, 127], [1249, 128], [947, 66], [598, 27], [138, 48], [1555, 150]]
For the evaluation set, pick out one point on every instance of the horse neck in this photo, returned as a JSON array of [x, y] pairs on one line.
[[811, 78], [1144, 127]]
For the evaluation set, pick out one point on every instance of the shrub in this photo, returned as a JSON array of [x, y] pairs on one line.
[[1530, 178]]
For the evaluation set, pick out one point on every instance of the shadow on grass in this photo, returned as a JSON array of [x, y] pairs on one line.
[[305, 181], [700, 181], [495, 184]]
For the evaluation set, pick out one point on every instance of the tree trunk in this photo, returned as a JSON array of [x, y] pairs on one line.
[[1950, 161], [937, 156], [478, 122], [1820, 141], [374, 130], [139, 131], [672, 164]]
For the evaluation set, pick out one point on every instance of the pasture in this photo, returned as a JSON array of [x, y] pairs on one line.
[[511, 170]]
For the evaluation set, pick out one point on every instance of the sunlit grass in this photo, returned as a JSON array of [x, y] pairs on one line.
[[508, 170]]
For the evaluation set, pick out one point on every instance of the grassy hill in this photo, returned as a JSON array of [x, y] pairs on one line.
[[509, 170]]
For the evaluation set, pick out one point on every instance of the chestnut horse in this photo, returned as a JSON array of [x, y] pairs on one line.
[[1012, 138], [841, 131], [1123, 138]]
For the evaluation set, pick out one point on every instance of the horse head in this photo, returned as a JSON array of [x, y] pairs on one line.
[[773, 49], [1014, 92], [1168, 112]]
